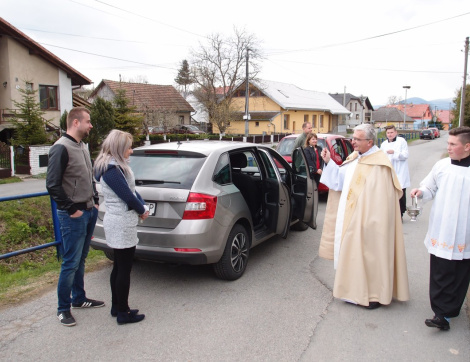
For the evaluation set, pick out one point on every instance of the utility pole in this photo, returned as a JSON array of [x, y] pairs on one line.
[[462, 94], [247, 97], [404, 110]]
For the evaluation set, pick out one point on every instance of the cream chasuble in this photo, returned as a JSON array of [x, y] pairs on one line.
[[368, 249]]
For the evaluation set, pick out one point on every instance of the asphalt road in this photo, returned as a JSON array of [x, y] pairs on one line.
[[282, 309]]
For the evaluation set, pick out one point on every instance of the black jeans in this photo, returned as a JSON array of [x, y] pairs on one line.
[[121, 278]]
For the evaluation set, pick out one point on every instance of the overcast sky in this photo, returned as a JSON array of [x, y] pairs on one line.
[[371, 47]]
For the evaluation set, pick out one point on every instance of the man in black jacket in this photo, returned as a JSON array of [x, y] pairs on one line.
[[70, 183]]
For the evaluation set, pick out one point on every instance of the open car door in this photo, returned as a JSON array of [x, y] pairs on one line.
[[305, 190], [277, 197]]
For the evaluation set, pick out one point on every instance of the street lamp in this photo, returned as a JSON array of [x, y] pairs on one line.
[[404, 110]]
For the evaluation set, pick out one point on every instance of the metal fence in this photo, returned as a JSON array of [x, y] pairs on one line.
[[55, 222], [5, 156]]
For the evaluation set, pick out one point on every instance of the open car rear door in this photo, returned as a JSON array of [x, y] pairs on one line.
[[304, 190]]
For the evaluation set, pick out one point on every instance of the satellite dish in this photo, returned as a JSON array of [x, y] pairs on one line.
[[18, 87]]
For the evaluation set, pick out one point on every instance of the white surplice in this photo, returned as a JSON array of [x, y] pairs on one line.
[[399, 159], [448, 234]]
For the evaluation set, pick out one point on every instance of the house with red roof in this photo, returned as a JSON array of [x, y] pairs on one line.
[[24, 63], [421, 113], [161, 105], [446, 117]]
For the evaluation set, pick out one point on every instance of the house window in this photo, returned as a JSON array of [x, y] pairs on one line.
[[256, 124], [48, 97], [355, 107], [314, 121], [286, 121], [305, 118], [29, 87], [357, 116], [181, 119], [350, 107], [321, 121]]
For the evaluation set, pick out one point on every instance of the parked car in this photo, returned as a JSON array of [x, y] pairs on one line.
[[437, 134], [339, 147], [182, 128], [210, 202], [426, 133], [157, 130]]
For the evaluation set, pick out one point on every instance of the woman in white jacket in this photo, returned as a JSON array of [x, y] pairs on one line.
[[124, 206]]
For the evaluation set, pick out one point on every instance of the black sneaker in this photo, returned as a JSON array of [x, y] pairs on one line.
[[66, 319], [88, 303], [438, 322]]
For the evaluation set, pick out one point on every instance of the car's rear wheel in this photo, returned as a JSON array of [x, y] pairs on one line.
[[232, 264], [109, 255]]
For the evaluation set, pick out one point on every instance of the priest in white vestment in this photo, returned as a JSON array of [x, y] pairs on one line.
[[369, 253], [448, 236]]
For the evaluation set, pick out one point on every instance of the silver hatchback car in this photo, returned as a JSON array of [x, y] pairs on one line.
[[211, 201]]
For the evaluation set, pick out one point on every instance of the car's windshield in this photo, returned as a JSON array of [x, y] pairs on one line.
[[285, 146], [166, 170]]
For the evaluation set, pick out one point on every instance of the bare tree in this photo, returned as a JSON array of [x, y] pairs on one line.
[[136, 79], [393, 100], [158, 118], [218, 67]]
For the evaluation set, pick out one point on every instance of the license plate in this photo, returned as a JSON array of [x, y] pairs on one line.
[[152, 208]]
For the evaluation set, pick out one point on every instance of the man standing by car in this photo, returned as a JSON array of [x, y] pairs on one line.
[[448, 236], [396, 148], [71, 185], [369, 252], [300, 141]]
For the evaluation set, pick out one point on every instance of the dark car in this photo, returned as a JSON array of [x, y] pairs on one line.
[[339, 147], [186, 128], [426, 133]]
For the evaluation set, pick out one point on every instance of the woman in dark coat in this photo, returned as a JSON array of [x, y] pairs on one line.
[[312, 153]]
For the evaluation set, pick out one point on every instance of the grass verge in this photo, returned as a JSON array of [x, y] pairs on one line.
[[9, 180], [25, 223]]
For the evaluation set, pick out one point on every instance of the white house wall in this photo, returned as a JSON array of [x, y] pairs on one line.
[[65, 92]]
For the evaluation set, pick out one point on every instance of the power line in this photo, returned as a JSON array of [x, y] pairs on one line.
[[366, 68], [150, 19], [108, 57], [85, 36], [371, 37]]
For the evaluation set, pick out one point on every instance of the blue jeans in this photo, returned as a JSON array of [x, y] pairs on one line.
[[76, 238]]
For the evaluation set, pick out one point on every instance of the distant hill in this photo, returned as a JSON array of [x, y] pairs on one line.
[[441, 104]]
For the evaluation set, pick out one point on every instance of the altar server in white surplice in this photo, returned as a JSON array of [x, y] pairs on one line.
[[396, 148], [448, 236]]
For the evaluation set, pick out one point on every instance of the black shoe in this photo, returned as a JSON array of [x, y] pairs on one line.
[[437, 322], [114, 311], [128, 317], [88, 303], [373, 305], [66, 318]]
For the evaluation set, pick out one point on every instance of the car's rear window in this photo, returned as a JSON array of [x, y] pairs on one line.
[[166, 169]]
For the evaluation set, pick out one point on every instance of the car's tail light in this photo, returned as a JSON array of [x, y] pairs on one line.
[[188, 250], [200, 206]]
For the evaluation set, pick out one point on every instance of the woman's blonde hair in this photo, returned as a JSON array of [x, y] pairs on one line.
[[113, 147], [309, 137]]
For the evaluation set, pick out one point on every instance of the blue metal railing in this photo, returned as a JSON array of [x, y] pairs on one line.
[[55, 222]]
